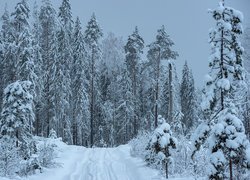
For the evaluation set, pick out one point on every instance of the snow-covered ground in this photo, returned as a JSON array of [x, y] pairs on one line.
[[79, 163]]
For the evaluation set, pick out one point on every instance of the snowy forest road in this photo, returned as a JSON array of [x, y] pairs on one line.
[[79, 163]]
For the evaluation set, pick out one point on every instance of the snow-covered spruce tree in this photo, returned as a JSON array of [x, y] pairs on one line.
[[80, 104], [38, 101], [160, 50], [65, 17], [133, 50], [160, 146], [188, 99], [8, 73], [146, 96], [223, 129], [104, 104], [246, 44], [246, 55], [9, 50], [124, 111], [18, 60], [22, 41], [5, 21], [48, 44], [64, 62], [17, 116], [92, 35], [2, 71], [62, 84]]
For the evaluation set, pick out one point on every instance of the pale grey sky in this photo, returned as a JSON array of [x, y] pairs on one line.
[[186, 21]]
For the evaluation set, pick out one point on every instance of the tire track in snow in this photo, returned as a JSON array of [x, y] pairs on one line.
[[100, 164], [75, 172]]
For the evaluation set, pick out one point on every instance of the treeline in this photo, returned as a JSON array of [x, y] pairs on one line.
[[93, 91]]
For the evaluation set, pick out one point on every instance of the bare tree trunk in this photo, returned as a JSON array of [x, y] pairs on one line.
[[170, 88], [74, 129], [166, 169], [92, 101], [135, 101], [37, 125], [231, 169], [17, 137], [221, 67], [157, 89]]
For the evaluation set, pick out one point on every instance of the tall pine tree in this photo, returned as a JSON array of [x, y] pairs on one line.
[[93, 33], [133, 50], [160, 50], [48, 45], [80, 100]]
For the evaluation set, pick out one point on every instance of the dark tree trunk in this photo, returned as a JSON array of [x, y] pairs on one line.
[[170, 88], [92, 101], [166, 169], [157, 89], [231, 169], [135, 102]]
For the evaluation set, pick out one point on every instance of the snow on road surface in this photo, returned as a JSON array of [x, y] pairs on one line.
[[79, 163]]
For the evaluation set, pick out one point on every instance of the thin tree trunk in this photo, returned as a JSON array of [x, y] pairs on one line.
[[92, 101], [37, 124], [157, 89], [166, 169], [231, 169], [17, 137], [170, 110], [74, 128], [221, 67], [135, 103]]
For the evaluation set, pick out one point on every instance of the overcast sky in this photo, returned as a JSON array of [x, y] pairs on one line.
[[186, 21]]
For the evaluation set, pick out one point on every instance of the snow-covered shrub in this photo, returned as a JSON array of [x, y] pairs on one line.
[[47, 154], [139, 144], [29, 166], [181, 163], [9, 158], [52, 134], [160, 145]]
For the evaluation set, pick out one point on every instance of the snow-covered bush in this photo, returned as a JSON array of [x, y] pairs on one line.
[[47, 153], [139, 144], [52, 134], [9, 158], [29, 166], [181, 158], [42, 155], [160, 145]]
